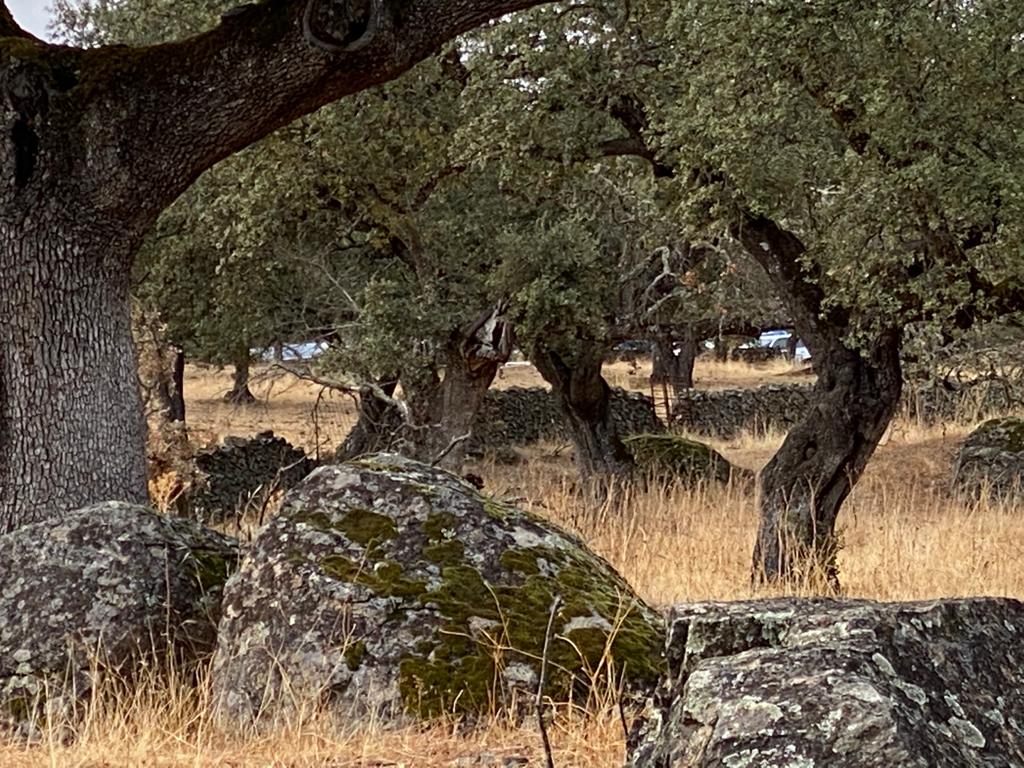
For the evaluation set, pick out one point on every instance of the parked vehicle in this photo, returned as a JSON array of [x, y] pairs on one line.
[[771, 345]]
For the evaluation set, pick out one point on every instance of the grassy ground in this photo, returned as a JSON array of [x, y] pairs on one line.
[[904, 538]]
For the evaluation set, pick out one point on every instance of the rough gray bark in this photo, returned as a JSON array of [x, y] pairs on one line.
[[585, 401], [857, 394], [98, 143], [378, 425], [71, 425], [443, 408]]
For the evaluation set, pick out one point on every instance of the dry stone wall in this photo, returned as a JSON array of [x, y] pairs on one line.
[[727, 412], [522, 416]]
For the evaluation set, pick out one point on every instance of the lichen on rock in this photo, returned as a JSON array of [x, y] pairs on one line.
[[672, 457], [100, 591], [991, 460], [838, 684], [391, 586]]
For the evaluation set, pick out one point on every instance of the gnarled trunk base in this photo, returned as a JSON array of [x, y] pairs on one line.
[[585, 401], [806, 482]]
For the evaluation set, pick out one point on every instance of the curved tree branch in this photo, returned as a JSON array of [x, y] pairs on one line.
[[156, 117], [8, 26]]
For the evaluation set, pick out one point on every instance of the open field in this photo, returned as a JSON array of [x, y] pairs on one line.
[[904, 538], [310, 416]]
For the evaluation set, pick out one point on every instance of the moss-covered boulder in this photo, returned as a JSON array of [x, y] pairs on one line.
[[671, 457], [391, 586], [991, 460], [104, 589]]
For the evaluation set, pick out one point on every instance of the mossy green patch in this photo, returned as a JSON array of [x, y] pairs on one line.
[[1007, 433], [212, 568], [385, 577], [670, 456], [460, 672], [354, 654], [438, 523], [524, 561], [366, 528], [447, 552]]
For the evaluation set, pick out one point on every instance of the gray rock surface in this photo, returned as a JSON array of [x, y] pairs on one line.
[[670, 457], [390, 586], [991, 460], [102, 589], [844, 684]]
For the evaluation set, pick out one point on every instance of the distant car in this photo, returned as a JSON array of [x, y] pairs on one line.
[[770, 345], [303, 350], [631, 350]]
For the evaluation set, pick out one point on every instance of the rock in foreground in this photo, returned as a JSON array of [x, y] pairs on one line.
[[390, 586], [844, 684], [992, 459], [98, 591]]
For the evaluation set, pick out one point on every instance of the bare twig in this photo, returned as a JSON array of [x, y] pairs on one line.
[[455, 441], [555, 604]]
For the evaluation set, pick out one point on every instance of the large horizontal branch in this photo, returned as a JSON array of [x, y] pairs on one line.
[[8, 26], [169, 112]]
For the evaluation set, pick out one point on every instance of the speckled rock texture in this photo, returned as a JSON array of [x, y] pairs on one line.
[[389, 586], [991, 460], [102, 589], [793, 683]]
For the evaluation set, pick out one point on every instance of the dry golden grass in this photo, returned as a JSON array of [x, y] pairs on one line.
[[905, 537]]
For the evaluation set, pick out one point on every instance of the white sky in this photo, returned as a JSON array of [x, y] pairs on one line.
[[33, 15]]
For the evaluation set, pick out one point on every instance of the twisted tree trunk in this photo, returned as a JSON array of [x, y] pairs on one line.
[[584, 398], [806, 482], [804, 485], [445, 408], [378, 425]]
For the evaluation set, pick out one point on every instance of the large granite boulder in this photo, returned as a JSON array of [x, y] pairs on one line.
[[670, 457], [102, 589], [390, 586], [839, 683], [992, 459]]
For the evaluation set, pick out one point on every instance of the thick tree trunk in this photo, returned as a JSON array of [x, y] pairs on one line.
[[584, 398], [806, 482], [378, 426], [240, 394], [804, 485], [71, 425], [672, 363], [176, 395], [444, 409]]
